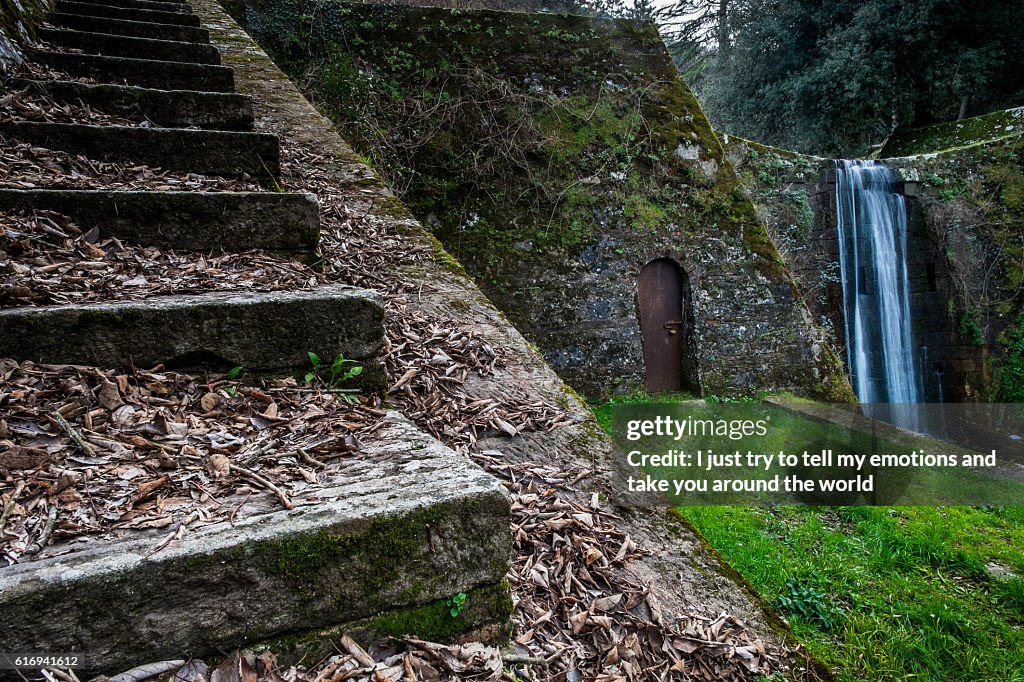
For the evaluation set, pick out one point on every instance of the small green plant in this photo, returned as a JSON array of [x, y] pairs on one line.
[[335, 374], [235, 372], [970, 328], [456, 604], [807, 603]]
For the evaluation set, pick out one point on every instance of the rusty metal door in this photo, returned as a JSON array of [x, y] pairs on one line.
[[662, 323]]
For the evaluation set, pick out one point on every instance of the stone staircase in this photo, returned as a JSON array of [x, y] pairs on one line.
[[287, 223], [153, 62]]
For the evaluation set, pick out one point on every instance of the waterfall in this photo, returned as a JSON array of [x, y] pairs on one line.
[[871, 221]]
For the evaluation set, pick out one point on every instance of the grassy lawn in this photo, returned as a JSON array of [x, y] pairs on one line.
[[882, 593], [886, 593]]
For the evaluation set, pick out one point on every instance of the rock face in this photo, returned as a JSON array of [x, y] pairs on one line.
[[18, 21], [593, 161], [963, 210]]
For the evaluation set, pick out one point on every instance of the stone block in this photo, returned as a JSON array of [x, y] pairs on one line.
[[197, 221], [127, 46], [90, 9], [138, 29], [142, 4], [146, 73], [194, 151], [263, 332], [419, 525], [166, 108]]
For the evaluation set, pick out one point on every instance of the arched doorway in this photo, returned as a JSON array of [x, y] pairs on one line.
[[666, 323]]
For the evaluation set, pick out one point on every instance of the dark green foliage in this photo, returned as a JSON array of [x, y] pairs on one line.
[[1011, 375], [834, 77], [970, 328], [1010, 594]]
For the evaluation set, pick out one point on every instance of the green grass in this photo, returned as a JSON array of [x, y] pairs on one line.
[[905, 590], [603, 411], [882, 593]]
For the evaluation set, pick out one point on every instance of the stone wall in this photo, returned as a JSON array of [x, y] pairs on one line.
[[588, 158]]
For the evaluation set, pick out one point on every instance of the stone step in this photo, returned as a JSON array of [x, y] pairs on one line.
[[128, 14], [143, 4], [286, 224], [165, 108], [414, 526], [209, 152], [138, 29], [146, 73], [263, 332], [124, 46]]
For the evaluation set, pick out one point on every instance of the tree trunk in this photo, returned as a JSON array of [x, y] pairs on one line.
[[963, 108], [723, 26]]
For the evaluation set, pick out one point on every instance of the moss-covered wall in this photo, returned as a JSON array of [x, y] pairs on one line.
[[966, 219], [973, 203], [554, 156], [955, 134], [18, 20]]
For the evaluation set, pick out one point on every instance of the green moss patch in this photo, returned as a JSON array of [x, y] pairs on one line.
[[485, 615], [953, 134]]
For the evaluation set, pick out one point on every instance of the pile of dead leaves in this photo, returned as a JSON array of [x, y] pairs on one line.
[[46, 259], [579, 609], [28, 104], [406, 659], [85, 451], [34, 71], [23, 166]]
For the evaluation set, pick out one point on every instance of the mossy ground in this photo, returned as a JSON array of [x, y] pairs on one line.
[[953, 134]]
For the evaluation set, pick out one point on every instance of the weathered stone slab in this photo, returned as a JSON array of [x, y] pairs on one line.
[[195, 151], [125, 46], [139, 29], [146, 73], [417, 525], [271, 332], [198, 221], [167, 108], [143, 4], [156, 16]]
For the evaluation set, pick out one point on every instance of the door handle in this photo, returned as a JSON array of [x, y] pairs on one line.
[[672, 326]]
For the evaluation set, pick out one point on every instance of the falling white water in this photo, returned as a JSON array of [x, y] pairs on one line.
[[871, 219]]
